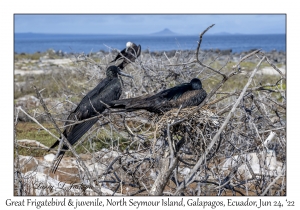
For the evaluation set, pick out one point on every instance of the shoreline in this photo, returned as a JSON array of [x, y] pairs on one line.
[[277, 57], [215, 50]]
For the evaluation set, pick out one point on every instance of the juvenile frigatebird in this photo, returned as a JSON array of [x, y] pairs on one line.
[[129, 54], [90, 106], [185, 95]]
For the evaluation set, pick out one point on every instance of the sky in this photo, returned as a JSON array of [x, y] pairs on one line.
[[188, 24]]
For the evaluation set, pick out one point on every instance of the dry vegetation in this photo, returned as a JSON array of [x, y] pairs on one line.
[[217, 148]]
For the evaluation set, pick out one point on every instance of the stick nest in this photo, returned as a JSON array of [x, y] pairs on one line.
[[195, 132]]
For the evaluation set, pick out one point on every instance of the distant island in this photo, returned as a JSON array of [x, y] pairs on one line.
[[168, 32], [165, 32]]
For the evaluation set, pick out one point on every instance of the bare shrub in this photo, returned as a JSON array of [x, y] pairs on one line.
[[217, 148]]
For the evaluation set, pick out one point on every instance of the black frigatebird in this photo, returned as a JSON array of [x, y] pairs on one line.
[[129, 54], [184, 95], [94, 103]]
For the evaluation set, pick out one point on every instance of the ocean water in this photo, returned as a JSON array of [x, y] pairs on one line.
[[31, 43]]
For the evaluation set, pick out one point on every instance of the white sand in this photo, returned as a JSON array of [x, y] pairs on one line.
[[270, 71]]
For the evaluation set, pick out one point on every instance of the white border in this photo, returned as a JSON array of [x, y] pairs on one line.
[[8, 8]]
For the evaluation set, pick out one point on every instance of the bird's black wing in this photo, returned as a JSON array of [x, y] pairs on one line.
[[122, 103], [91, 105], [79, 130], [172, 93], [138, 52], [74, 131], [153, 103], [130, 56], [133, 53], [82, 111], [96, 91], [121, 54], [190, 98]]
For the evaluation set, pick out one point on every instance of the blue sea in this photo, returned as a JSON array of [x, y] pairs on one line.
[[31, 42]]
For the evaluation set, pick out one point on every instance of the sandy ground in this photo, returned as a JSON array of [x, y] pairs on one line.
[[271, 71], [266, 71], [58, 62], [24, 72]]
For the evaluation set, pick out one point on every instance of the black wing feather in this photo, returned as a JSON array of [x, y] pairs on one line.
[[79, 130], [107, 90], [181, 95], [172, 93], [120, 55], [96, 91]]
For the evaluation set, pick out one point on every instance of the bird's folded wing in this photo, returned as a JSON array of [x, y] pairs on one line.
[[121, 54], [79, 130], [129, 101], [98, 89], [190, 98], [138, 51]]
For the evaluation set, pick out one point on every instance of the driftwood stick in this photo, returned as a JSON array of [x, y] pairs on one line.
[[269, 139], [161, 181]]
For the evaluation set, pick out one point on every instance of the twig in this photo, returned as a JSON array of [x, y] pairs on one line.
[[245, 57], [170, 141], [274, 67], [271, 184], [281, 105], [197, 52], [34, 120]]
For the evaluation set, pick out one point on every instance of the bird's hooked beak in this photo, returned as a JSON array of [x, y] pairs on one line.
[[125, 75]]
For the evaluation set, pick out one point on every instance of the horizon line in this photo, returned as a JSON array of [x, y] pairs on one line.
[[150, 34]]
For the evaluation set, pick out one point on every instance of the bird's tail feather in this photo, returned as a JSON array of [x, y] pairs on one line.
[[57, 162], [77, 132], [54, 145]]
